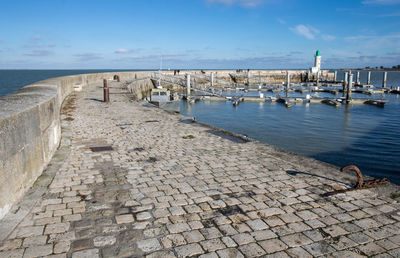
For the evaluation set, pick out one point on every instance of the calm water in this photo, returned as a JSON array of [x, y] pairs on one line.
[[366, 136], [12, 80]]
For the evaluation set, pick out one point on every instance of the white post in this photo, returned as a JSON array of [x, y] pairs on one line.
[[187, 86], [348, 97], [358, 78], [384, 80], [287, 78], [287, 83], [335, 76], [369, 78], [212, 79], [345, 84]]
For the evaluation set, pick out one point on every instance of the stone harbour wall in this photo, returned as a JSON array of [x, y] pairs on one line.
[[30, 130]]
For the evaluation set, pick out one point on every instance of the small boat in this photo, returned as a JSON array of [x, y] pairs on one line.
[[162, 98]]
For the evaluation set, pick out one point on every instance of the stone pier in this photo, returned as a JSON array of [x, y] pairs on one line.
[[130, 180]]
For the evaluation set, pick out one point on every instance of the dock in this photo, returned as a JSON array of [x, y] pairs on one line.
[[144, 183]]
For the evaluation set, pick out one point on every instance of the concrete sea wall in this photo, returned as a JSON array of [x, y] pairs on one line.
[[30, 130]]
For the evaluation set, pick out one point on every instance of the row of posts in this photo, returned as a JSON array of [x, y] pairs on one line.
[[347, 84], [384, 79], [368, 78]]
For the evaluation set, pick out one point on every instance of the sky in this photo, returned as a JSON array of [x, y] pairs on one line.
[[198, 34]]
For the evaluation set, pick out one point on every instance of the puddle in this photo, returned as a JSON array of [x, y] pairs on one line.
[[151, 160], [186, 121], [101, 148], [228, 136], [230, 210], [152, 121], [124, 124]]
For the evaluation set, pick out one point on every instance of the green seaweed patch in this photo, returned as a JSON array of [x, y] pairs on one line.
[[189, 136], [395, 195]]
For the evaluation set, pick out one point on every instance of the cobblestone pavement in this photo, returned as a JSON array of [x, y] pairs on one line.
[[170, 189]]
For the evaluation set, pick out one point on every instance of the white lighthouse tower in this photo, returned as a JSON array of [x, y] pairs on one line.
[[317, 63]]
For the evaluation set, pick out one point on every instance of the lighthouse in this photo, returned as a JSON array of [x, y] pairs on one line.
[[317, 63]]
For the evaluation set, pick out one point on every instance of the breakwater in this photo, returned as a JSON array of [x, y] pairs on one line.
[[30, 122], [137, 181]]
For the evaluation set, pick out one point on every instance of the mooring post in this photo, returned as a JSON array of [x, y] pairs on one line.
[[335, 76], [348, 96], [212, 79], [369, 78], [384, 79], [287, 83], [187, 86], [318, 78], [345, 84], [358, 78], [106, 91]]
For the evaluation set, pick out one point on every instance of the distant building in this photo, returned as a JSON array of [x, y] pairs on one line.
[[317, 63]]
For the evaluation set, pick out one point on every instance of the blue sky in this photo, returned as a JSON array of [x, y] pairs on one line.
[[234, 34]]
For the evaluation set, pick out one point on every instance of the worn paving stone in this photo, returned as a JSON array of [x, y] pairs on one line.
[[17, 253], [251, 250], [273, 245], [159, 193], [189, 250], [229, 253], [86, 253], [38, 251], [149, 245], [297, 239]]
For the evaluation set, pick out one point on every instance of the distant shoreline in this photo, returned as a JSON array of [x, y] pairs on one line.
[[371, 69]]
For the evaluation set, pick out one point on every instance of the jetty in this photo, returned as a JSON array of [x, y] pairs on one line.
[[101, 173]]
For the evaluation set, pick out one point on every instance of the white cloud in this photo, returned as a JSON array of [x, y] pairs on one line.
[[396, 14], [38, 53], [281, 21], [305, 30], [123, 51], [328, 37], [88, 56], [244, 3], [381, 2]]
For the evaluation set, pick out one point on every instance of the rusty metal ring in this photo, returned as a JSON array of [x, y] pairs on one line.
[[360, 180]]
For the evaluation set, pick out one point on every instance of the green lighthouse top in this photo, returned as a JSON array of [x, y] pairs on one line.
[[318, 53]]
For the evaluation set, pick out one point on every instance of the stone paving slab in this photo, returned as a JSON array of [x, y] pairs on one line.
[[160, 193]]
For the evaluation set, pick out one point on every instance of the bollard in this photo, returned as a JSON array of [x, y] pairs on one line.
[[106, 91], [348, 96], [188, 86], [335, 76], [384, 80], [369, 78], [345, 84], [212, 79]]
